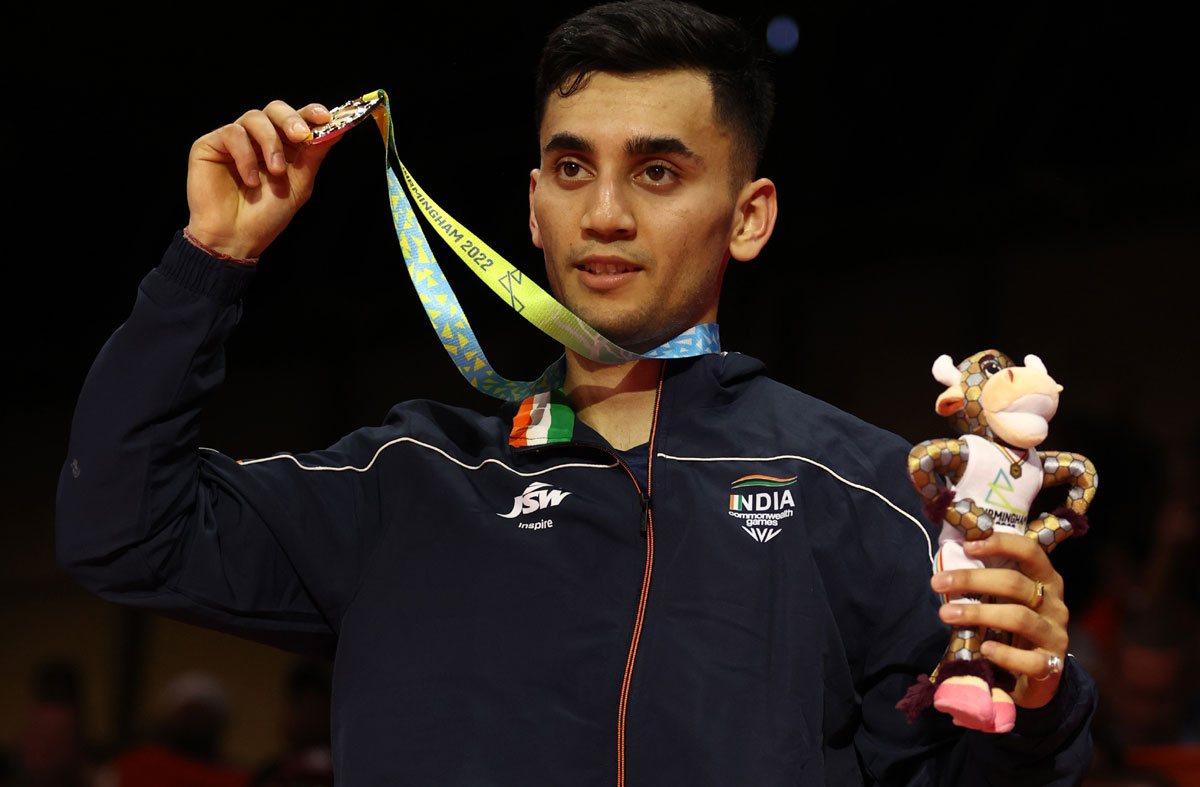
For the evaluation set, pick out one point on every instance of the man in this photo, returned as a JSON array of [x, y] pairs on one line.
[[698, 577]]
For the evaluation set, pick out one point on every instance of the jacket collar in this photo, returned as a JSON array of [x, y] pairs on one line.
[[547, 418]]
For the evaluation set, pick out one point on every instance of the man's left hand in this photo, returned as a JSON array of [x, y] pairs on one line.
[[1035, 613]]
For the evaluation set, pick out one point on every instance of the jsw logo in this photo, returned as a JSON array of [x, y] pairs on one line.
[[535, 497]]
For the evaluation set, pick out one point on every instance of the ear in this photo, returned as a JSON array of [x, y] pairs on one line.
[[754, 219], [534, 232], [950, 401]]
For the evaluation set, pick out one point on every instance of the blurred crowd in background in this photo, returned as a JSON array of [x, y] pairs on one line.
[[1137, 633], [184, 745]]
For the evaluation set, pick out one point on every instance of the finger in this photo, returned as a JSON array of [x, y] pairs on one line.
[[1002, 582], [1038, 629], [1032, 561], [1034, 663], [266, 136], [315, 114], [235, 142], [309, 155], [288, 121]]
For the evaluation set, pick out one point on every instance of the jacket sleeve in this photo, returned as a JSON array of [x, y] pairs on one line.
[[147, 518], [1051, 745]]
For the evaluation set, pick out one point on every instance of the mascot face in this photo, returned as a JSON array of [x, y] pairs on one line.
[[990, 396]]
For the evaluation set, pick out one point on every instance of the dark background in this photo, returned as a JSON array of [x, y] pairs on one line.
[[951, 177]]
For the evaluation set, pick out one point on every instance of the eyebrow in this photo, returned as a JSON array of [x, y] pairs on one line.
[[638, 146], [650, 146], [565, 141]]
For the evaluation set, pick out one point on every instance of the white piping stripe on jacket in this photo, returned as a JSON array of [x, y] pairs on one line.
[[847, 482], [423, 445], [814, 463]]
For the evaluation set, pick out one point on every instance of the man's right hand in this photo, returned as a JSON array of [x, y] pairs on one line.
[[247, 179]]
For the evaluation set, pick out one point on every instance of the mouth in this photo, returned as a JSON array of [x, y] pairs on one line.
[[606, 266], [1036, 404], [603, 273], [1025, 421]]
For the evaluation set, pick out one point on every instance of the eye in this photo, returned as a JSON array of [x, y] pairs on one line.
[[568, 169], [658, 175], [657, 172], [990, 367]]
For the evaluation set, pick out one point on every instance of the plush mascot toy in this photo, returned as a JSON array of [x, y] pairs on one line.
[[984, 482]]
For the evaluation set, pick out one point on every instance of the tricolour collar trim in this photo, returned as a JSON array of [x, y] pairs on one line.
[[542, 419]]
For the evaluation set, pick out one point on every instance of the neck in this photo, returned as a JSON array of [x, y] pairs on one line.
[[617, 400]]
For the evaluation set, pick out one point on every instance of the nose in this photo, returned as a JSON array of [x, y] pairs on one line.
[[608, 215]]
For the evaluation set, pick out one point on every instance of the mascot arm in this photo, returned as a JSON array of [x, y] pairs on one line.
[[1068, 467], [1069, 519], [934, 462]]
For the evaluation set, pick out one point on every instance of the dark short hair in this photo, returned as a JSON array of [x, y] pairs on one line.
[[656, 35]]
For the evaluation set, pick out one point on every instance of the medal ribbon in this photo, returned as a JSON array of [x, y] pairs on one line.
[[1015, 469], [507, 282]]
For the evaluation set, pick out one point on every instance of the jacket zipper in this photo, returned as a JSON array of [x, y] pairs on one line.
[[647, 528]]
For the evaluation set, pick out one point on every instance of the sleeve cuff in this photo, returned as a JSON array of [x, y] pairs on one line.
[[201, 273], [1043, 721]]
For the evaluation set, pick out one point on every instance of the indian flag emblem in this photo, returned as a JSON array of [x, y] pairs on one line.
[[762, 480], [543, 418]]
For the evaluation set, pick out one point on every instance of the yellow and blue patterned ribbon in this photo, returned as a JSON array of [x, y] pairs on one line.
[[506, 281]]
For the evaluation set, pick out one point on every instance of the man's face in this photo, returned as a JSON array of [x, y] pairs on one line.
[[634, 204]]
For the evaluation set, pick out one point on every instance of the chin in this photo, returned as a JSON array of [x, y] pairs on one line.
[[632, 328], [623, 330], [630, 340], [1022, 430]]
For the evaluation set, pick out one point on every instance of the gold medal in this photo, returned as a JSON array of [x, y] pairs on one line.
[[1015, 470], [344, 118]]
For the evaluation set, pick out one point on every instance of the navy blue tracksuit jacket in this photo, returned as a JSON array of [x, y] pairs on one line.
[[535, 615]]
